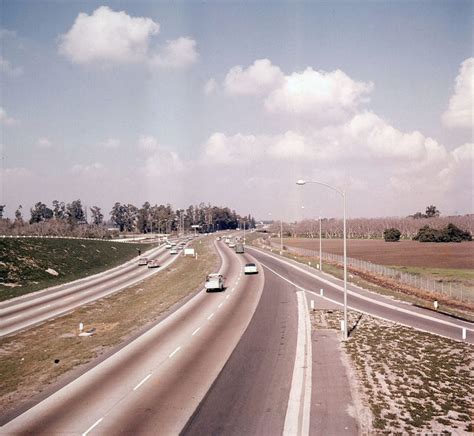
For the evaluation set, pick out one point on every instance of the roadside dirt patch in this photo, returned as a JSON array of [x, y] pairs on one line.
[[412, 382]]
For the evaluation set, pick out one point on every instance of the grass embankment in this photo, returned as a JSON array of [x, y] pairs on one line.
[[24, 262], [390, 287], [28, 359], [410, 381]]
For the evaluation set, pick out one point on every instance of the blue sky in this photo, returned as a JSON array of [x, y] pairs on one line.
[[106, 126]]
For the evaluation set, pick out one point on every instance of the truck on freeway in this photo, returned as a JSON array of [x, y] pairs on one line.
[[214, 282], [239, 247]]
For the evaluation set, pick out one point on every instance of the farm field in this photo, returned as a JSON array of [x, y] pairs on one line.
[[402, 253]]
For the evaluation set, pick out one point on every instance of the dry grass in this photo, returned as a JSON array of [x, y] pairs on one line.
[[412, 382], [31, 360]]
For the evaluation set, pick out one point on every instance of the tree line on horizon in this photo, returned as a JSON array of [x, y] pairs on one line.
[[374, 228], [72, 218]]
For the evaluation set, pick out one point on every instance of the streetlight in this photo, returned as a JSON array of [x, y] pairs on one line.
[[343, 194]]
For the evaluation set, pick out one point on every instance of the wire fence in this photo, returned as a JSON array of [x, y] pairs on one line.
[[449, 289]]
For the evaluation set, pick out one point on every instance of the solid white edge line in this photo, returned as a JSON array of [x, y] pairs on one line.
[[195, 331], [359, 310], [299, 403], [362, 297], [227, 297], [220, 305], [143, 381], [210, 316], [174, 352], [92, 427]]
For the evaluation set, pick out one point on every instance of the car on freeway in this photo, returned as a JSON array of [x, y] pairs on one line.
[[142, 261], [218, 238], [214, 282], [174, 251], [168, 246], [231, 244], [250, 268], [154, 263]]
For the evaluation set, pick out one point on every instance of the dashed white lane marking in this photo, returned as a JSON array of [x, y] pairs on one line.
[[220, 305], [143, 381], [195, 331], [92, 427], [210, 316], [227, 297], [174, 352]]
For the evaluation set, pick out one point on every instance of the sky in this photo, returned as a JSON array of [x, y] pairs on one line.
[[231, 102]]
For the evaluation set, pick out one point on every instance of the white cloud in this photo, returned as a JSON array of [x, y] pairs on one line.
[[330, 96], [460, 109], [84, 170], [111, 143], [109, 37], [44, 143], [5, 33], [7, 68], [210, 87], [148, 143], [258, 79], [178, 53], [6, 119], [323, 97]]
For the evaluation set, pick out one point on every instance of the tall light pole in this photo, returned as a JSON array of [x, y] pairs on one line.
[[320, 248], [343, 194], [281, 237]]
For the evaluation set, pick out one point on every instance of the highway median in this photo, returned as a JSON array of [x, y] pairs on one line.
[[36, 362]]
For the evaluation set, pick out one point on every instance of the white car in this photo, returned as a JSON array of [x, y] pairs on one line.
[[173, 251], [250, 268], [231, 244], [142, 261], [168, 246], [154, 263]]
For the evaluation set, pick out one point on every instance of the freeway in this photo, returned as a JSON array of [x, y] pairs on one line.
[[311, 281], [32, 309], [234, 362], [155, 383]]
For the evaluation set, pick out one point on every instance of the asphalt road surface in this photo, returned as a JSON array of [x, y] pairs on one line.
[[155, 383], [32, 309], [242, 361]]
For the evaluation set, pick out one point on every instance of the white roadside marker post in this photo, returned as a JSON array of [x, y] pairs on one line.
[[81, 327], [312, 305], [321, 292], [464, 332]]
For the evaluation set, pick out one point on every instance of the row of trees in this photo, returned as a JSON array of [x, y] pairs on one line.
[[369, 228], [72, 218]]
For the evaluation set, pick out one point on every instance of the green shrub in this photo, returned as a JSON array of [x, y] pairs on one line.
[[391, 235]]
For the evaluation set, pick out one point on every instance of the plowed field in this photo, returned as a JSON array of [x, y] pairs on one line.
[[402, 253]]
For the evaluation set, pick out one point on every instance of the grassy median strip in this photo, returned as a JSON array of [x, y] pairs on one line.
[[412, 382], [31, 360], [31, 264]]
